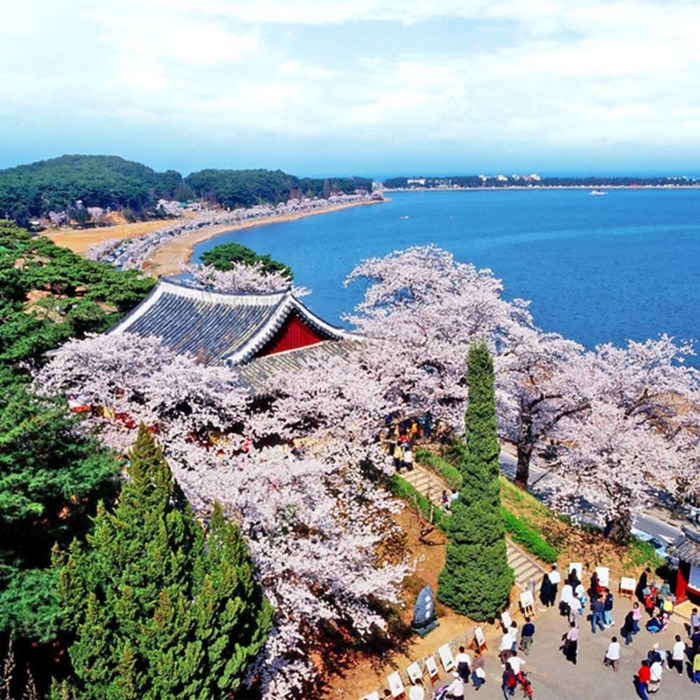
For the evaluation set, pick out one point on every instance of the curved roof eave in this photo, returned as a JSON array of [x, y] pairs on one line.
[[275, 322]]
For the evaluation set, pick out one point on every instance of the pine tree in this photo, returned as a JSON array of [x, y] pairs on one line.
[[157, 609], [476, 579]]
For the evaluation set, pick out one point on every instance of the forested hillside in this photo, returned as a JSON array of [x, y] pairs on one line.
[[69, 189], [245, 188], [108, 182], [50, 474]]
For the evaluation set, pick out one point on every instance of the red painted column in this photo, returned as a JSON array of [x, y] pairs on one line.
[[682, 582]]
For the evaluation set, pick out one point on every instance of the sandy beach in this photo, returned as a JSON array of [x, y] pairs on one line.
[[80, 240], [169, 257]]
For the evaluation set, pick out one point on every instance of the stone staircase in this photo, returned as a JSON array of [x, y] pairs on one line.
[[426, 482], [528, 572]]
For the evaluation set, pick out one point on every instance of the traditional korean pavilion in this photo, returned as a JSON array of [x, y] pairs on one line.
[[259, 334], [686, 548]]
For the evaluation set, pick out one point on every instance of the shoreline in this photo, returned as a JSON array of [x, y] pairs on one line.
[[542, 187], [168, 258]]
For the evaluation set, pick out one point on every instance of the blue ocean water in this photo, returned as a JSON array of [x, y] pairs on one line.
[[597, 269]]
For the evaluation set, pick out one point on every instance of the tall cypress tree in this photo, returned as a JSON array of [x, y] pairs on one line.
[[158, 610], [476, 579]]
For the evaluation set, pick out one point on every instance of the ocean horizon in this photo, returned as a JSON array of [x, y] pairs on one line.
[[596, 269]]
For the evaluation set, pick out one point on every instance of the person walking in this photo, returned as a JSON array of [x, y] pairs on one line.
[[575, 609], [656, 671], [417, 691], [694, 619], [654, 654], [546, 591], [696, 669], [567, 593], [636, 617], [516, 663], [678, 654], [456, 689], [554, 580], [642, 583], [628, 628], [526, 636], [478, 672], [508, 682], [463, 664], [642, 681], [607, 608], [571, 644], [508, 645], [598, 609], [612, 654]]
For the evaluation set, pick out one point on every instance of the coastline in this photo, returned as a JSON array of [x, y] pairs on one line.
[[168, 258], [541, 187]]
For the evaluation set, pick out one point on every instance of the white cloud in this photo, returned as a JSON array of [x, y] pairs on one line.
[[570, 72]]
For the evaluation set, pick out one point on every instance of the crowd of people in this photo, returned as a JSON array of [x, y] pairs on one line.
[[576, 601], [400, 436], [653, 598]]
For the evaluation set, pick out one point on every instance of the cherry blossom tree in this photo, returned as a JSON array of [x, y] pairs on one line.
[[611, 470], [542, 381], [638, 436], [423, 309], [241, 279], [314, 523]]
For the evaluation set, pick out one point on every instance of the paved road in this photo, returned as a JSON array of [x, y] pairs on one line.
[[665, 529]]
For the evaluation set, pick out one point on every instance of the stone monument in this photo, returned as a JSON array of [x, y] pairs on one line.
[[424, 617]]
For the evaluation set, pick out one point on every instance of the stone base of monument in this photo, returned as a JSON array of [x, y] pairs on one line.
[[423, 629]]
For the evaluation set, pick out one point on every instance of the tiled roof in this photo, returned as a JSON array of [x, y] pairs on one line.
[[216, 328], [686, 547], [254, 375]]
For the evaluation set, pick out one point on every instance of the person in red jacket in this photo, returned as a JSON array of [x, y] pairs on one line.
[[643, 678]]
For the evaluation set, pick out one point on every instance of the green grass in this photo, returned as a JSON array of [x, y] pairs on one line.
[[442, 467], [405, 491], [527, 537], [642, 554]]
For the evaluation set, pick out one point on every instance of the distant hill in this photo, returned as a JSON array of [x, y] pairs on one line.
[[108, 182], [55, 185], [245, 188]]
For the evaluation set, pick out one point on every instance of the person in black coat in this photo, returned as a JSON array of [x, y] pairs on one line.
[[546, 591], [642, 584]]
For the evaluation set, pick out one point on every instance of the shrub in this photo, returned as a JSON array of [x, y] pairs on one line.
[[405, 491], [451, 475], [524, 535]]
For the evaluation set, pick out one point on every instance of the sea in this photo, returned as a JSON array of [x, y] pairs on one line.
[[596, 269]]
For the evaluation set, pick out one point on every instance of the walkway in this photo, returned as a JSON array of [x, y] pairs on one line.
[[528, 571]]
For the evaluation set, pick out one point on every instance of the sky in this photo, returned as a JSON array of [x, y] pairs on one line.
[[356, 87]]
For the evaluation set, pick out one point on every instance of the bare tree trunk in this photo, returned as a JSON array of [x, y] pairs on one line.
[[525, 445], [618, 528]]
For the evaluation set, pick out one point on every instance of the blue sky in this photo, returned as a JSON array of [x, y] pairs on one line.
[[364, 87]]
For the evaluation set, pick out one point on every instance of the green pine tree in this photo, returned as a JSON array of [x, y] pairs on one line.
[[158, 610], [476, 579]]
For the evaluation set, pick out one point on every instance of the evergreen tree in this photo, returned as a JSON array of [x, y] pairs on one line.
[[476, 580], [159, 610]]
